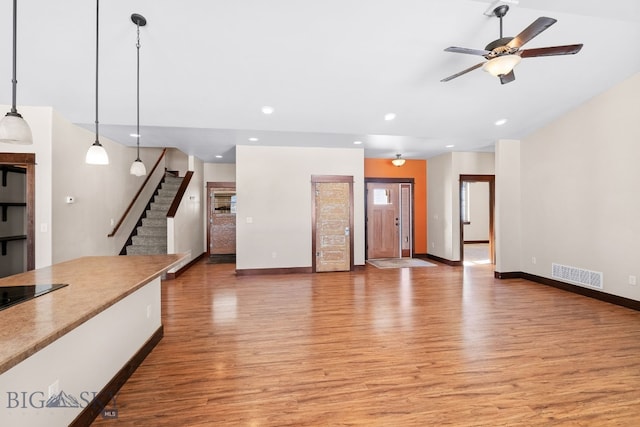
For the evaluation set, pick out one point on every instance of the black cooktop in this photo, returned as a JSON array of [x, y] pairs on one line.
[[12, 295]]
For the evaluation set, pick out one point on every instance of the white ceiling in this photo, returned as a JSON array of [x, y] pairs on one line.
[[331, 69]]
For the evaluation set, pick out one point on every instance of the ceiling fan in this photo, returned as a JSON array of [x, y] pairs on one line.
[[505, 53]]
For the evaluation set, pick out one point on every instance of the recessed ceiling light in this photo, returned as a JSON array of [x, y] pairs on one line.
[[389, 116], [267, 109], [135, 135], [501, 122], [449, 146], [218, 156], [253, 139], [357, 142]]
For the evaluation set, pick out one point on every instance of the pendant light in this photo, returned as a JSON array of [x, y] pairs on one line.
[[97, 155], [13, 128], [137, 167], [398, 161]]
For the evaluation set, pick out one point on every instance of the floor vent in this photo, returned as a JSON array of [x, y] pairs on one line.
[[577, 275]]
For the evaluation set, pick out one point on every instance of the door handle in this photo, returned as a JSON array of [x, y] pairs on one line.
[[346, 231]]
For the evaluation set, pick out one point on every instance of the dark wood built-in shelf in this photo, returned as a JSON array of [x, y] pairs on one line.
[[21, 164], [10, 168], [5, 239], [5, 207]]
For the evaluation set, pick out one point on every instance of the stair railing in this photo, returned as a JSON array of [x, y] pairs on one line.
[[179, 195], [135, 198]]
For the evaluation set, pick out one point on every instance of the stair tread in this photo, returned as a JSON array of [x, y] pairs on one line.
[[151, 238]]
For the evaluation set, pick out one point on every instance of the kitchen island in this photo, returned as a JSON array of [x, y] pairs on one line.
[[65, 353]]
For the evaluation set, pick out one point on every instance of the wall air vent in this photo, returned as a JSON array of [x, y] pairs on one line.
[[580, 276]]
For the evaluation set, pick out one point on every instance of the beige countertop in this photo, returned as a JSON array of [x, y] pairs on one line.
[[95, 283]]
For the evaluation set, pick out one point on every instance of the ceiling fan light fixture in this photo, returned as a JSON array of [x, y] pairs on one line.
[[398, 161], [501, 65]]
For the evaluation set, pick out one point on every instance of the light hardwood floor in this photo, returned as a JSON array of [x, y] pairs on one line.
[[439, 346]]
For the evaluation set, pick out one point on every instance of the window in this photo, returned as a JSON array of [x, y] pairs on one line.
[[381, 196]]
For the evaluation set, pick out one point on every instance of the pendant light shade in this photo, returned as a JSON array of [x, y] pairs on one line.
[[501, 65], [398, 161], [137, 167], [97, 155], [13, 128]]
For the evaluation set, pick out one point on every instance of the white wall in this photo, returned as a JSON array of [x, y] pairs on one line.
[[478, 198], [508, 210], [219, 172], [177, 161], [440, 181], [274, 192], [443, 198], [101, 193], [580, 181], [185, 232]]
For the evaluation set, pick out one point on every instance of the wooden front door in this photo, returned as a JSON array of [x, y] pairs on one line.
[[333, 223], [383, 220]]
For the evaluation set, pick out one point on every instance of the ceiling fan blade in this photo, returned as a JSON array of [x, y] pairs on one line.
[[538, 26], [467, 51], [570, 49], [507, 78], [446, 79]]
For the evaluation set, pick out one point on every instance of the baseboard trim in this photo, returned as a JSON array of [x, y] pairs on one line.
[[175, 274], [438, 259], [591, 293], [508, 275], [262, 271], [102, 399]]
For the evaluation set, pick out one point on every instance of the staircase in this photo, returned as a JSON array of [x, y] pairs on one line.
[[150, 238]]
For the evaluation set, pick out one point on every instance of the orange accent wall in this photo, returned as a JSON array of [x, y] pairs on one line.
[[416, 169]]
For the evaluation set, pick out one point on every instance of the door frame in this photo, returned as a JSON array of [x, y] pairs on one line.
[[366, 209], [212, 186], [491, 179], [28, 161], [330, 179]]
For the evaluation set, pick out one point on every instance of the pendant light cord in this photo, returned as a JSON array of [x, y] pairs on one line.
[[138, 91], [14, 81], [97, 44]]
